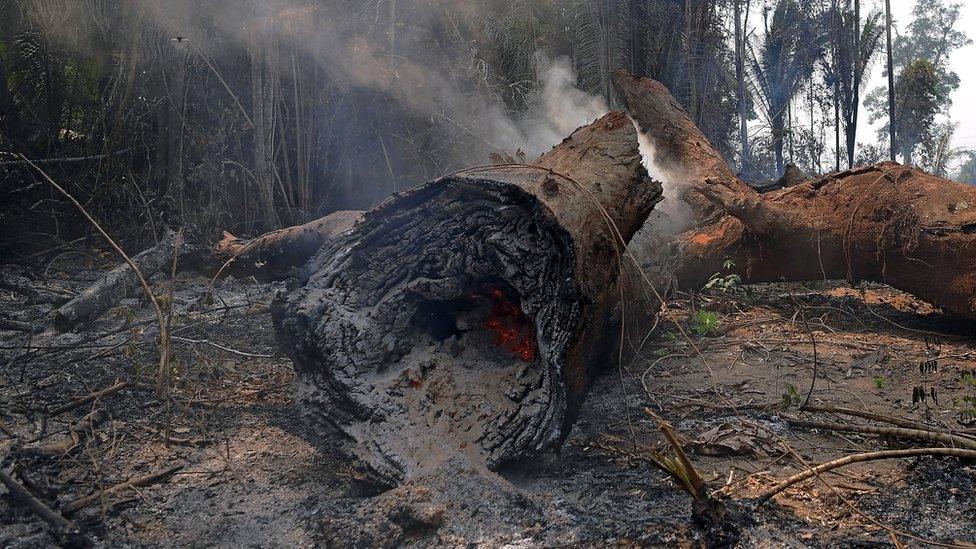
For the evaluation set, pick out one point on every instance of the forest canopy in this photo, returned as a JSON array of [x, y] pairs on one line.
[[258, 115]]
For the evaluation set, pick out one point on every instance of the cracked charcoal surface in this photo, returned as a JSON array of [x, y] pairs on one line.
[[373, 376]]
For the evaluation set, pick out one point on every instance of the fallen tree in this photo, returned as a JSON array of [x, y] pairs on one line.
[[469, 314], [271, 256], [382, 332], [885, 223]]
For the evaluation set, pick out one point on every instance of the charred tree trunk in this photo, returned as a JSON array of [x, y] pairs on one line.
[[467, 315], [885, 223]]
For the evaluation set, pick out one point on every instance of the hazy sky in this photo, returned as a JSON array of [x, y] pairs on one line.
[[963, 62]]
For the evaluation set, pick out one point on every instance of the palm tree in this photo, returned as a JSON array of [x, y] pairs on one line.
[[853, 48], [783, 63], [605, 36]]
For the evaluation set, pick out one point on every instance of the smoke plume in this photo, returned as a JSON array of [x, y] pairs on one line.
[[672, 215]]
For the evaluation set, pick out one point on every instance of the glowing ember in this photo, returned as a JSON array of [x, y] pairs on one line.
[[513, 330]]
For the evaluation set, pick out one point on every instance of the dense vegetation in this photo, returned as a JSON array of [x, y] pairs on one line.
[[250, 116]]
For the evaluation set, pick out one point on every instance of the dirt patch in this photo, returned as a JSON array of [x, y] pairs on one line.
[[254, 475]]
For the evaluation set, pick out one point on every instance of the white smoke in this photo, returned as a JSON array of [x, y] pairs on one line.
[[557, 108], [354, 50], [672, 215], [564, 106], [443, 87]]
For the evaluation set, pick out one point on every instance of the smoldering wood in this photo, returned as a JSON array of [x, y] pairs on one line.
[[388, 333], [114, 286], [368, 328]]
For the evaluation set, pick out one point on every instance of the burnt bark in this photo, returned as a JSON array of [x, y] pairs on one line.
[[467, 315], [885, 223]]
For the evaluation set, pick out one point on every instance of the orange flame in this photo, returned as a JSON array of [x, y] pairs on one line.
[[513, 330]]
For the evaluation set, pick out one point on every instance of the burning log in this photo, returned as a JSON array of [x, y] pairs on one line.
[[885, 223], [469, 314]]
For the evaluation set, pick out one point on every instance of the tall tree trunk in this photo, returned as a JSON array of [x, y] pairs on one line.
[[740, 34], [691, 8], [301, 153], [891, 82], [636, 22], [174, 123], [262, 166], [159, 154], [836, 125], [907, 150], [789, 113], [851, 130], [779, 131]]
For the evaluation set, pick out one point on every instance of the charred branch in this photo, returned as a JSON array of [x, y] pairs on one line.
[[113, 286]]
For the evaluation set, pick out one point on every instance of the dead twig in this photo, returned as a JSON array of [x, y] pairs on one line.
[[894, 432], [81, 401], [221, 347], [900, 422], [135, 482], [813, 341], [76, 434], [858, 458]]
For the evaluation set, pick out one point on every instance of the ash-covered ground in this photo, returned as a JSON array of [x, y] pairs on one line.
[[253, 475]]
